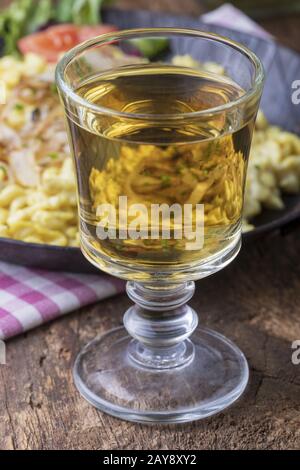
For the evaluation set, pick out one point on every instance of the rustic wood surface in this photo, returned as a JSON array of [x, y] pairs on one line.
[[255, 302]]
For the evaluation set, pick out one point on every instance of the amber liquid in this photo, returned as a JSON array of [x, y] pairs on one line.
[[182, 159]]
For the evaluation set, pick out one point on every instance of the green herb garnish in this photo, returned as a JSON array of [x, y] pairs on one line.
[[3, 169], [53, 155], [165, 181], [19, 107], [53, 88]]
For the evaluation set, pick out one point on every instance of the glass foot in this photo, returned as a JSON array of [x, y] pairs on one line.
[[211, 375]]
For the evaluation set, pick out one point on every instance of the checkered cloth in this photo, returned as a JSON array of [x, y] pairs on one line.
[[30, 297]]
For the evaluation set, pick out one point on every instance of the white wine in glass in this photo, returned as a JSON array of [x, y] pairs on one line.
[[160, 152]]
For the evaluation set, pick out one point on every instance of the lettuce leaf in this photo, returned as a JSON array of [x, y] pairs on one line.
[[40, 15], [22, 17], [63, 11], [150, 47]]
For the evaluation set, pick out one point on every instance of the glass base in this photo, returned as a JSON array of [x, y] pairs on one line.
[[211, 375]]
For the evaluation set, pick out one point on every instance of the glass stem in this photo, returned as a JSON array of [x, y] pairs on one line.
[[160, 323]]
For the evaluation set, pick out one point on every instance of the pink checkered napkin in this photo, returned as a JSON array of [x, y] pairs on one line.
[[30, 297]]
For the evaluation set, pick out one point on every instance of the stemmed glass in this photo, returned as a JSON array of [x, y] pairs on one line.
[[160, 150]]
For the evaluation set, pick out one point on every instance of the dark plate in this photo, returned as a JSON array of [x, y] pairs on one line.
[[282, 67]]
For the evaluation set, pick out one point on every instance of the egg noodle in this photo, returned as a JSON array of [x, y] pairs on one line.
[[37, 183]]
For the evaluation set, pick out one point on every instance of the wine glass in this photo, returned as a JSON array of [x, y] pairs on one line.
[[160, 148]]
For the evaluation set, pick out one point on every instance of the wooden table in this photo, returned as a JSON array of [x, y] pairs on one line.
[[255, 301]]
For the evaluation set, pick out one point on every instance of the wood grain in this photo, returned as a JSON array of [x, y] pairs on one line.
[[255, 302]]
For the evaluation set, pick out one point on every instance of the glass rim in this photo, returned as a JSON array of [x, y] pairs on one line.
[[67, 58]]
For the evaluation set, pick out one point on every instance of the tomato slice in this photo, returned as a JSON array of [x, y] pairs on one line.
[[55, 40], [89, 32], [63, 36], [51, 42], [39, 43]]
